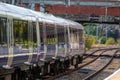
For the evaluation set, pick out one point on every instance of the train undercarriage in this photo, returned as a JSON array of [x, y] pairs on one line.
[[40, 70]]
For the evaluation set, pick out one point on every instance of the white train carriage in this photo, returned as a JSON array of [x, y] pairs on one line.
[[29, 37]]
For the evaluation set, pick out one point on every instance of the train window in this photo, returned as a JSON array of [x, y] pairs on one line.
[[81, 35], [81, 40], [62, 40], [48, 34], [50, 39], [34, 37], [41, 36], [3, 36], [25, 39], [20, 31], [60, 31]]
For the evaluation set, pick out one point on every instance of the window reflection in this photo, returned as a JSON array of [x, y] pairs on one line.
[[24, 37], [3, 36]]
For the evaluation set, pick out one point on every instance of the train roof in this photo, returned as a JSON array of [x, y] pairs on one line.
[[8, 10]]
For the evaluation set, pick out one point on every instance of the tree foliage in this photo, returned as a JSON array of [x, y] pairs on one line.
[[103, 40], [114, 34], [118, 41], [110, 41], [89, 41], [102, 30]]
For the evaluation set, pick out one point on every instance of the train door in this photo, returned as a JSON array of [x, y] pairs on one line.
[[63, 46], [66, 40], [38, 35], [48, 40], [6, 46], [43, 37], [8, 43], [44, 63], [74, 45], [81, 46], [62, 40], [32, 41], [6, 54], [69, 39], [56, 40]]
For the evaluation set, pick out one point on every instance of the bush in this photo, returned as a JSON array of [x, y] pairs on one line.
[[110, 41], [118, 41], [103, 40], [89, 41]]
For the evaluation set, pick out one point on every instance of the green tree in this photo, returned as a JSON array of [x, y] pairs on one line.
[[110, 41]]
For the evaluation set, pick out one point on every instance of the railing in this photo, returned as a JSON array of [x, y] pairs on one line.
[[109, 3]]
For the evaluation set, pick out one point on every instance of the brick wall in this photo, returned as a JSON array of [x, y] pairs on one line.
[[60, 9]]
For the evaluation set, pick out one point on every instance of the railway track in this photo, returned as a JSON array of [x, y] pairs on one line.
[[81, 65], [94, 51], [98, 71], [88, 71], [109, 69]]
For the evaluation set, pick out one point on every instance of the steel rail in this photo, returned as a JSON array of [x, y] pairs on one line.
[[95, 73], [97, 51]]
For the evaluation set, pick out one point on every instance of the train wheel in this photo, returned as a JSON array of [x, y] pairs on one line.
[[45, 68], [36, 71], [80, 59], [54, 67], [16, 75], [57, 66], [61, 67], [66, 63], [74, 61]]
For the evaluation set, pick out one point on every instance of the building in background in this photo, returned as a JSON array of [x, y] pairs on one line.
[[72, 7]]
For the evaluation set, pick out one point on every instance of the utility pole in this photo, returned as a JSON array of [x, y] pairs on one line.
[[97, 34], [88, 30], [42, 6], [106, 11], [67, 3], [106, 30], [31, 5]]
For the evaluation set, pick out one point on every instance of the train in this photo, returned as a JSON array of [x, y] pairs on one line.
[[35, 44]]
